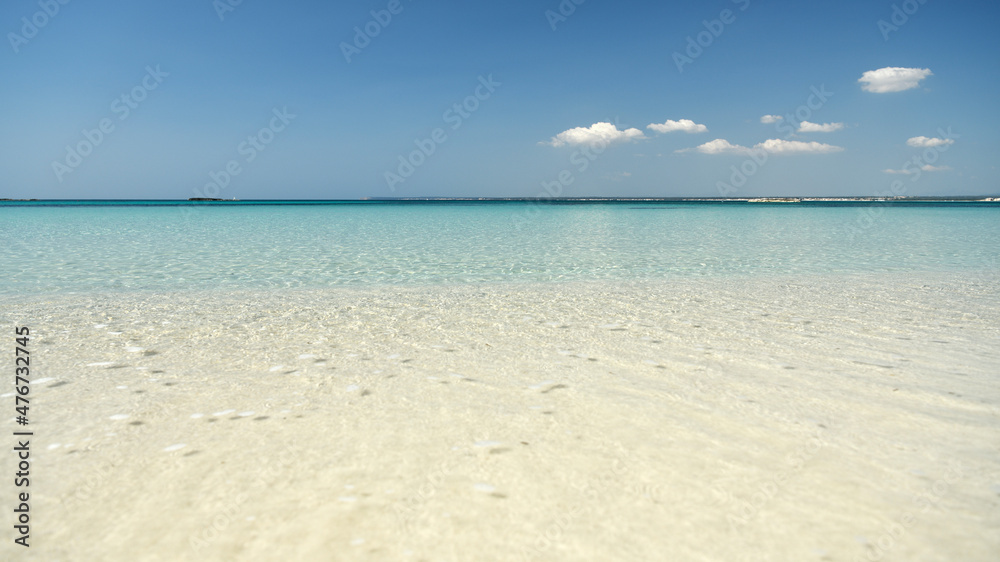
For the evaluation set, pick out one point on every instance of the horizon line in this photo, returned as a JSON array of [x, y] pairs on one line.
[[766, 198]]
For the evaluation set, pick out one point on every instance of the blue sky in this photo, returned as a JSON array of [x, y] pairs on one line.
[[265, 90]]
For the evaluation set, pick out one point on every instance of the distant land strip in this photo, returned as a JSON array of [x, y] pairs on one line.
[[537, 200]]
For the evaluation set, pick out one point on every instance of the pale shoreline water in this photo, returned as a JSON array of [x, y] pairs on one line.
[[106, 248], [796, 417]]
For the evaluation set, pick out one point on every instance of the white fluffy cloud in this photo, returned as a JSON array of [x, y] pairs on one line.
[[925, 168], [686, 125], [893, 79], [807, 127], [780, 146], [924, 142], [773, 146], [768, 119], [718, 146], [596, 134]]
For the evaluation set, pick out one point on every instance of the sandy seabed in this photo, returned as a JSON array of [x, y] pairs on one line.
[[827, 418]]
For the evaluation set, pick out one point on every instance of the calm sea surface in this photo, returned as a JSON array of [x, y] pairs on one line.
[[48, 248]]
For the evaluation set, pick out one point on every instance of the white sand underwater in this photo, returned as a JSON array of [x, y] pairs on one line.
[[809, 418]]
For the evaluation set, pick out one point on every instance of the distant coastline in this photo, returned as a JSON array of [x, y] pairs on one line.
[[784, 200]]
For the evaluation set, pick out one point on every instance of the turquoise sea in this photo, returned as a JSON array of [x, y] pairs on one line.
[[779, 381], [122, 246]]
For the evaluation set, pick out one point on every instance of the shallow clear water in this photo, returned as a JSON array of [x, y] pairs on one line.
[[95, 248]]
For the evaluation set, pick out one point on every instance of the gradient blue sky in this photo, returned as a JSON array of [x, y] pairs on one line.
[[607, 62]]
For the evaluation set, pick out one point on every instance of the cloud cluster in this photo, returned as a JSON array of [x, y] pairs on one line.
[[597, 134], [893, 79], [924, 168], [925, 142], [718, 146], [772, 146], [807, 127], [686, 125], [882, 80], [780, 146]]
